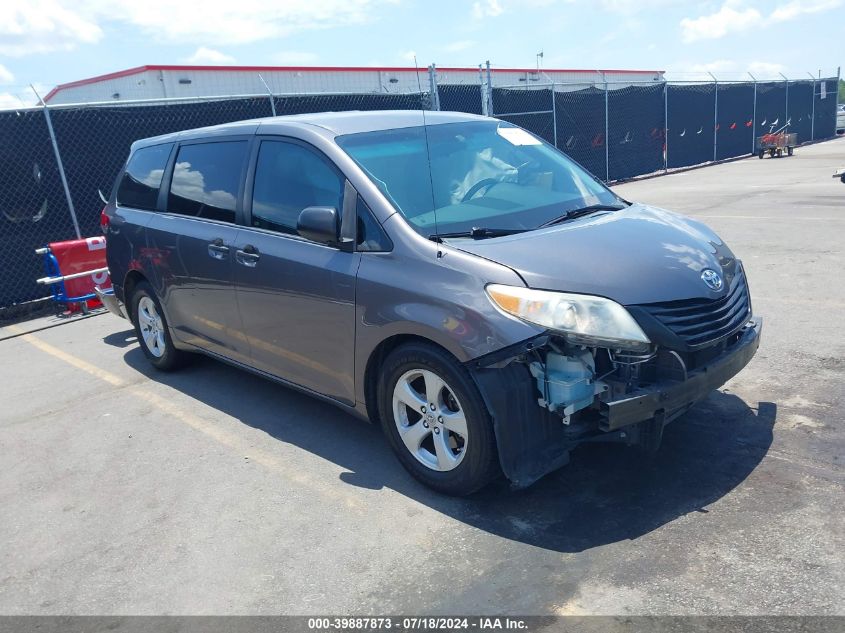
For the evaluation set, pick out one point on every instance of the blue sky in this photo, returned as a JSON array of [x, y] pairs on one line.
[[47, 42]]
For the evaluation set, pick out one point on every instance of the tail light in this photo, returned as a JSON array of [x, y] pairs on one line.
[[104, 221]]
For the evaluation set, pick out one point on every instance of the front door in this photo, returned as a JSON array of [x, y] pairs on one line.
[[296, 297]]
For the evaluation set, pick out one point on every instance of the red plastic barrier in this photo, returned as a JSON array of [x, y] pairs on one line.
[[76, 256]]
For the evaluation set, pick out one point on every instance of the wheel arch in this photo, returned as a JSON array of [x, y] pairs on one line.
[[130, 282], [375, 360]]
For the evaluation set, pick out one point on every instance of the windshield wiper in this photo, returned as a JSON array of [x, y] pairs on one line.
[[575, 213], [477, 233]]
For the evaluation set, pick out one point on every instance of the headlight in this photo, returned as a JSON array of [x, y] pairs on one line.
[[582, 319]]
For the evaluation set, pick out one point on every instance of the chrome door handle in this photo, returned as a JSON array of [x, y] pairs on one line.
[[247, 256], [217, 250]]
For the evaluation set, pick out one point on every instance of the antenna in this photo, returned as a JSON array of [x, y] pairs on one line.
[[428, 158]]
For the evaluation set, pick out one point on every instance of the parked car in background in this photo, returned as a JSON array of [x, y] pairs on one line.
[[451, 277], [840, 119]]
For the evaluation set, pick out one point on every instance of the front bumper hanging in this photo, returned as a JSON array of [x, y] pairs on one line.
[[533, 442], [672, 399]]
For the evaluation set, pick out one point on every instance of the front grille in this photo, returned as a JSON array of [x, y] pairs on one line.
[[701, 321]]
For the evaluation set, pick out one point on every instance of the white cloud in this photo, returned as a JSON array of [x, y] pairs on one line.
[[635, 6], [715, 67], [191, 184], [205, 55], [408, 56], [295, 58], [6, 76], [240, 22], [735, 17], [461, 45], [43, 26], [797, 8], [731, 17], [8, 101], [486, 9], [765, 69], [21, 97]]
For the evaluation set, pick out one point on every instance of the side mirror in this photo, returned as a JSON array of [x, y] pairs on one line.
[[319, 224]]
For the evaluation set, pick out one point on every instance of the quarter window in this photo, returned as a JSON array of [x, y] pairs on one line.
[[370, 236], [141, 181], [288, 178], [206, 179]]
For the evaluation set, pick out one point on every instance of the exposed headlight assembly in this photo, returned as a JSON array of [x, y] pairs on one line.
[[582, 319]]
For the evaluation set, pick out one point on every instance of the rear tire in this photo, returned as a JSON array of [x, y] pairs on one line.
[[451, 446], [152, 330]]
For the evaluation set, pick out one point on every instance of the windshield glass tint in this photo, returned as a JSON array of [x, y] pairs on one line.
[[487, 174]]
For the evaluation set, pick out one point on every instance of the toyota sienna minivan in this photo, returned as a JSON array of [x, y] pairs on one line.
[[450, 277]]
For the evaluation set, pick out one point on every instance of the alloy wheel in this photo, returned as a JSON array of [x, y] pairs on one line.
[[430, 419], [152, 327]]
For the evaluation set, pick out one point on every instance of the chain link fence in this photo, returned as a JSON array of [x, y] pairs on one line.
[[50, 182]]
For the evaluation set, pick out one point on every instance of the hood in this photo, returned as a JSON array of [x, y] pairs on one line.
[[639, 254]]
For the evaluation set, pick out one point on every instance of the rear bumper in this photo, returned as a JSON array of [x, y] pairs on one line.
[[110, 301], [669, 400]]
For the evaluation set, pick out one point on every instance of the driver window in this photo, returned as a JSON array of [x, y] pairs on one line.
[[288, 178]]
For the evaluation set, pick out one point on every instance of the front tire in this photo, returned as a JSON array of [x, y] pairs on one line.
[[435, 420], [152, 330]]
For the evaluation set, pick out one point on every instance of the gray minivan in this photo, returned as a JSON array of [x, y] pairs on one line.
[[451, 277]]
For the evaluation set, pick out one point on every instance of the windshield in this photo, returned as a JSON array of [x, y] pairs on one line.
[[487, 174]]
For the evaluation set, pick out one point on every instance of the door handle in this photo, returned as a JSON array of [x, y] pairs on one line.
[[218, 250], [247, 256]]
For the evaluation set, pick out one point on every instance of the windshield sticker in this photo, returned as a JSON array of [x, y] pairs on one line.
[[517, 136]]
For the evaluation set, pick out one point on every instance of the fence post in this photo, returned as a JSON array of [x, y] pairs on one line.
[[606, 132], [554, 115], [490, 107], [754, 119], [59, 164], [483, 86], [665, 126], [434, 99], [786, 115], [813, 109], [270, 94], [836, 97], [715, 116]]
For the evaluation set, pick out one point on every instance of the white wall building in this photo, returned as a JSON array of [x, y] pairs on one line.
[[157, 82]]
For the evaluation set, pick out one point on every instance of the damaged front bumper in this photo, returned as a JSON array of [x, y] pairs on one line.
[[533, 441], [672, 399]]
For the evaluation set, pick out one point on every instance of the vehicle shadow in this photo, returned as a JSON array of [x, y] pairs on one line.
[[121, 339], [608, 492]]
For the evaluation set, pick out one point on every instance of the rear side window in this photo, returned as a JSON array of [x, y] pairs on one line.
[[141, 181], [206, 179], [288, 178]]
